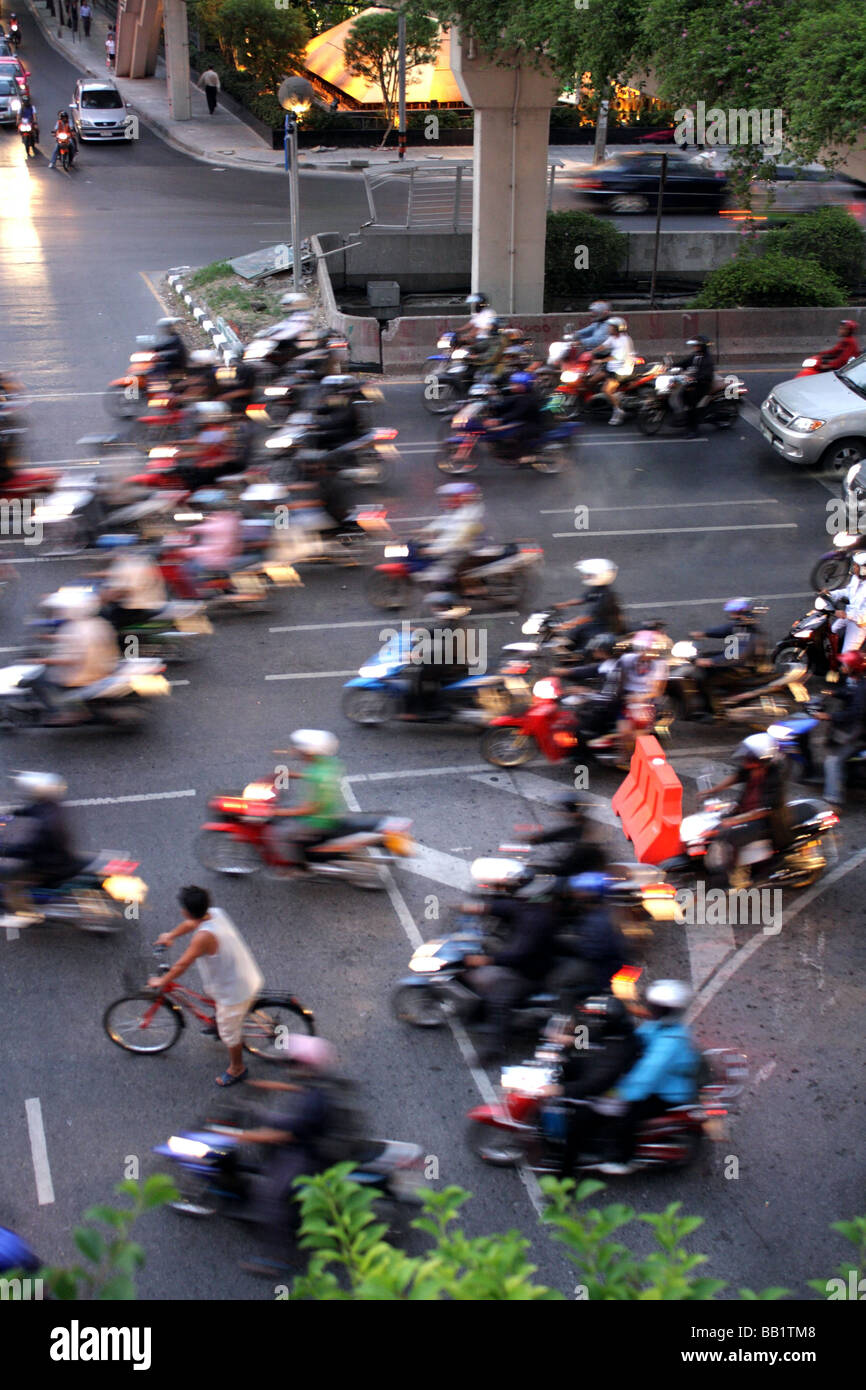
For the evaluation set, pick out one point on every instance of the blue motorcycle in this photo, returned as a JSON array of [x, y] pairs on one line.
[[387, 687], [470, 434], [794, 737]]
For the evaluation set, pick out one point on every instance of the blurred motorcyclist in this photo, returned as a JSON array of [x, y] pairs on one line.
[[452, 536], [847, 720], [700, 368], [761, 808], [84, 651], [40, 850], [603, 610], [133, 589], [336, 419], [516, 414], [511, 970], [482, 319], [170, 345], [851, 605], [62, 124], [636, 679], [842, 351], [591, 944], [618, 352], [580, 854], [596, 332], [27, 113], [219, 536], [439, 658], [744, 652], [295, 828], [666, 1073]]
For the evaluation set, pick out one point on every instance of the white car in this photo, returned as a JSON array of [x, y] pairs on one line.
[[99, 112]]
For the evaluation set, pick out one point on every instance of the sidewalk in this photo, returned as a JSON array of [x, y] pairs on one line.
[[223, 139]]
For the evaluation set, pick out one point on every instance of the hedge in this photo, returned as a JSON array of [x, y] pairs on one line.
[[765, 280], [598, 248]]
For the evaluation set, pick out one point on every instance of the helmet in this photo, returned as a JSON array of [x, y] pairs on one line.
[[454, 495], [79, 603], [315, 743], [599, 309], [757, 748], [619, 323], [597, 573], [648, 643], [853, 663], [849, 326], [39, 786], [521, 379], [204, 357], [587, 885], [698, 341], [297, 302], [858, 560], [446, 606], [668, 998], [211, 410], [477, 301], [313, 1054], [740, 607]]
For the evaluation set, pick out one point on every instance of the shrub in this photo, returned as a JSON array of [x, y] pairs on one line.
[[757, 281], [597, 247], [830, 237]]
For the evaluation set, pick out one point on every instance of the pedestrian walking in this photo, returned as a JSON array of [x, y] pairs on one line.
[[51, 9], [211, 83], [73, 20], [110, 49], [86, 14]]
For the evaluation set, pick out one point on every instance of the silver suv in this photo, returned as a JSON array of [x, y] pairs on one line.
[[99, 112], [819, 419]]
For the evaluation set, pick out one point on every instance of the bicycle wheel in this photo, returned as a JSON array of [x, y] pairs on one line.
[[142, 1023], [272, 1020]]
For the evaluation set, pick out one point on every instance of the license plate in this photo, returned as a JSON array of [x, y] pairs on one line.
[[248, 583], [199, 625], [715, 1127], [283, 574]]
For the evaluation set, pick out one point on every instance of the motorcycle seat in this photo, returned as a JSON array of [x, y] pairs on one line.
[[348, 826], [800, 812]]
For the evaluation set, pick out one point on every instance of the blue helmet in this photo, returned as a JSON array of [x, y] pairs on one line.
[[591, 885], [741, 607], [520, 379], [15, 1253]]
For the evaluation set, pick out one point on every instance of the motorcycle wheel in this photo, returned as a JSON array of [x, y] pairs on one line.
[[830, 573], [270, 1022], [551, 459], [380, 470], [447, 461], [494, 1146], [223, 854], [788, 655], [692, 1141], [369, 875], [505, 746], [446, 398], [417, 1007], [725, 414], [367, 706], [98, 914], [118, 405], [193, 1199], [388, 593], [650, 419]]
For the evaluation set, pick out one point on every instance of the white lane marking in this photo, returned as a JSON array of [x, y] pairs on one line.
[[40, 559], [482, 1081], [141, 796], [699, 602], [365, 622], [313, 675], [12, 649], [174, 683], [39, 1152], [418, 772], [82, 463], [12, 933], [534, 788], [440, 866], [721, 977], [667, 506], [679, 530], [752, 416], [708, 945]]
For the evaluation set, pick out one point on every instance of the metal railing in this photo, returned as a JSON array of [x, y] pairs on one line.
[[438, 196]]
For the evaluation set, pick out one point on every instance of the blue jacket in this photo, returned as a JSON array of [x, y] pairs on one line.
[[668, 1066], [593, 335]]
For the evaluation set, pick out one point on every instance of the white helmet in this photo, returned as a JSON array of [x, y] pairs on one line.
[[204, 357], [79, 603], [597, 573], [40, 786], [313, 1054], [757, 748], [649, 643], [859, 559], [619, 323], [316, 743], [599, 309], [669, 997], [297, 302]]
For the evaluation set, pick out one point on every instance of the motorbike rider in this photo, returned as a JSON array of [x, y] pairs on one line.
[[851, 605], [170, 345], [336, 420], [28, 113], [746, 642], [700, 369], [847, 734], [580, 854], [641, 675], [665, 1075], [10, 418], [516, 414], [511, 970], [133, 589], [234, 382], [41, 852], [62, 124], [761, 808], [482, 319], [618, 352], [603, 610], [218, 447], [322, 809], [842, 351], [219, 536], [596, 332], [85, 651], [591, 944], [451, 537], [438, 658]]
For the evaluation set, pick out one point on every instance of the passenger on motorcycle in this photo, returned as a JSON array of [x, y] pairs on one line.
[[295, 828], [452, 536], [439, 658], [134, 589], [603, 610], [700, 368], [619, 361], [39, 851], [581, 854], [642, 675], [592, 666], [851, 614], [761, 809], [744, 653], [598, 331], [847, 735], [85, 651], [219, 537], [517, 415], [665, 1075]]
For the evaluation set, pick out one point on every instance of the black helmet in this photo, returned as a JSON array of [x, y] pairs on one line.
[[604, 642], [603, 1013], [477, 301], [697, 341]]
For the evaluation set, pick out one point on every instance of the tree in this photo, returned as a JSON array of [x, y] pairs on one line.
[[371, 51], [327, 14], [263, 38]]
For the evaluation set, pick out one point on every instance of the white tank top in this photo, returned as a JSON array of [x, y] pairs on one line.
[[231, 976]]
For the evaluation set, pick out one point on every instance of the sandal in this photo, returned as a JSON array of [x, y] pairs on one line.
[[227, 1079]]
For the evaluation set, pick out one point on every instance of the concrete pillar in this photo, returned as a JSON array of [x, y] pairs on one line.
[[509, 194], [139, 25], [177, 60]]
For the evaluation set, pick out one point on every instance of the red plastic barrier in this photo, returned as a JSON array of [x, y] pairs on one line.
[[650, 803]]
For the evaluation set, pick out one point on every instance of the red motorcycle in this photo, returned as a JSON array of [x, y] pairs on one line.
[[28, 482], [551, 726], [579, 388], [513, 1130], [834, 358]]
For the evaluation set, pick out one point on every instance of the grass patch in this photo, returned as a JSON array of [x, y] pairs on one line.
[[217, 270], [246, 305]]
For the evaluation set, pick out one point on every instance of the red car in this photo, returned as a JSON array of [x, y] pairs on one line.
[[13, 67]]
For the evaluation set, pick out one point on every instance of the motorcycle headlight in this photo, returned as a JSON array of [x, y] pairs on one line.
[[125, 888], [426, 966], [375, 672], [684, 651], [262, 347], [148, 684], [844, 539], [396, 552], [280, 441], [187, 1148], [459, 354], [805, 425]]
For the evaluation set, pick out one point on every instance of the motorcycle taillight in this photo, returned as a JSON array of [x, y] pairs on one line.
[[519, 1106]]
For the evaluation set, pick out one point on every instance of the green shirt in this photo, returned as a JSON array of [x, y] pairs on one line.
[[322, 787]]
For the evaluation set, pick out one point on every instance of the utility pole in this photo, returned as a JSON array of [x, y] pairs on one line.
[[401, 82]]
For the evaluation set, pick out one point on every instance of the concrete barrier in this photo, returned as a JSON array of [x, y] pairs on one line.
[[360, 331]]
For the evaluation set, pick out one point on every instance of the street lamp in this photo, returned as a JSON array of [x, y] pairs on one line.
[[296, 95]]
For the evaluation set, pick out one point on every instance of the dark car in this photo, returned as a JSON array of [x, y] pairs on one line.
[[630, 183]]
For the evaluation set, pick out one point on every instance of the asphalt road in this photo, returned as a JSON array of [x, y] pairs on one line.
[[689, 522]]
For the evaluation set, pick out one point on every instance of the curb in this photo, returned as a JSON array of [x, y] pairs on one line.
[[221, 334]]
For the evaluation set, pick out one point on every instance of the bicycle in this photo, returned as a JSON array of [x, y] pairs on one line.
[[152, 1021]]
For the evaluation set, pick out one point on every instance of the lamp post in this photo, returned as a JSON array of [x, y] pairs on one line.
[[295, 96]]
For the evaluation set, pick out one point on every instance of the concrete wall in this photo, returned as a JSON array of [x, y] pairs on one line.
[[682, 255], [361, 333]]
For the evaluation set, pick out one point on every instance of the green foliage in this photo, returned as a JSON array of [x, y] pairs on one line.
[[112, 1258], [263, 38], [371, 51], [605, 252], [327, 14], [217, 270], [830, 237], [756, 281], [855, 1232]]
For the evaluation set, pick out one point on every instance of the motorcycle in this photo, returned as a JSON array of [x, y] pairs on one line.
[[147, 365], [80, 509], [238, 841], [811, 641], [719, 407], [511, 1130], [15, 34], [381, 690], [833, 570], [794, 736], [749, 702], [29, 133], [815, 366], [800, 864], [577, 392], [248, 585], [94, 897], [369, 459], [446, 387], [304, 533], [216, 1174], [118, 701], [67, 149], [469, 435], [174, 633], [498, 574]]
